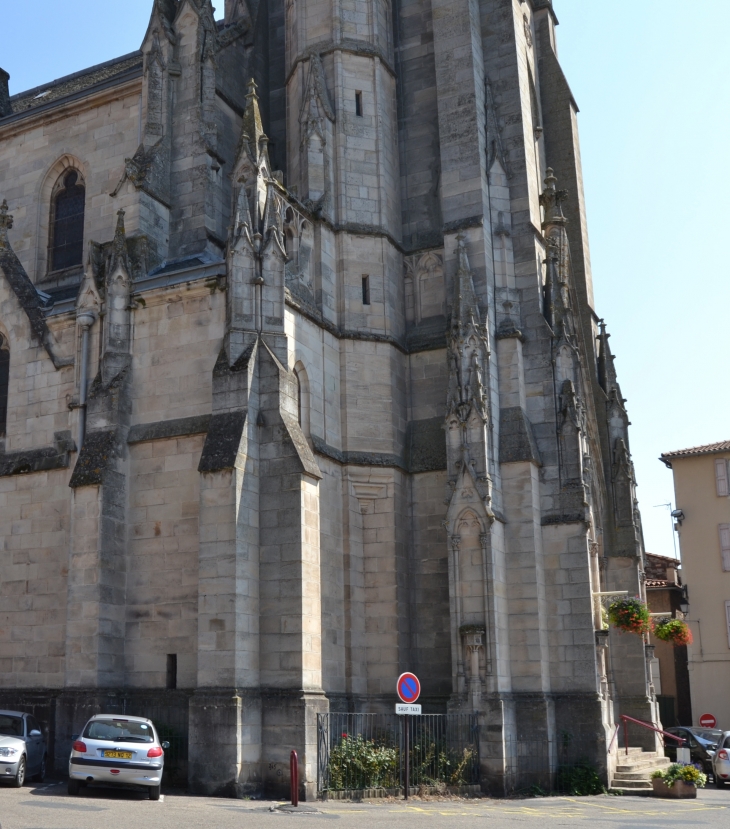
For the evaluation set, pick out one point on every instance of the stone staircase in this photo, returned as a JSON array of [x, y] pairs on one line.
[[633, 772]]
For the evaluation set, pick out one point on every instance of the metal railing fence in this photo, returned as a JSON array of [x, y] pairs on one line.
[[367, 751]]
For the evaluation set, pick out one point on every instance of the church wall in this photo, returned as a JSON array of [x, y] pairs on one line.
[[34, 560], [419, 136], [428, 546], [38, 392], [187, 321], [428, 377], [335, 627], [99, 133], [162, 569]]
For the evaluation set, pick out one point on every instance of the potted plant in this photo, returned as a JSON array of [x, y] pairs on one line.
[[673, 630], [630, 614], [678, 781]]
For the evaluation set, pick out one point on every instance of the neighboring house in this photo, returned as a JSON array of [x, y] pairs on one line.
[[302, 385], [702, 494], [664, 593]]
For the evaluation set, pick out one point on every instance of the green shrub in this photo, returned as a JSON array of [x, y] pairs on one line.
[[578, 780], [357, 763]]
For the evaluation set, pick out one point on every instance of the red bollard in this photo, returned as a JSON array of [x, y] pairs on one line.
[[294, 778]]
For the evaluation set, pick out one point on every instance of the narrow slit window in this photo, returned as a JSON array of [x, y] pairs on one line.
[[67, 247], [366, 290], [4, 384], [358, 103], [171, 671]]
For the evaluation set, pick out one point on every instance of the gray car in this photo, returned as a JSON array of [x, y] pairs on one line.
[[721, 761], [23, 751]]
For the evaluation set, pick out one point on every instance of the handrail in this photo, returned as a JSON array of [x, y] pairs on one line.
[[625, 717], [613, 739]]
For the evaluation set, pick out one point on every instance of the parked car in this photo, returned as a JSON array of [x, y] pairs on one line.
[[702, 751], [721, 764], [712, 735], [23, 751], [120, 750]]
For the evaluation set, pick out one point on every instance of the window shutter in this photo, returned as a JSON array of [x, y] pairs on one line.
[[727, 616], [721, 477], [725, 545]]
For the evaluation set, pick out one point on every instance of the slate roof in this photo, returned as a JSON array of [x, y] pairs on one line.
[[707, 449], [79, 82]]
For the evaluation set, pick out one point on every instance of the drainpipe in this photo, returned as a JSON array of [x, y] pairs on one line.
[[85, 320]]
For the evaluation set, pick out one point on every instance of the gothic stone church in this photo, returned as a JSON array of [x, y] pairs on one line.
[[302, 386]]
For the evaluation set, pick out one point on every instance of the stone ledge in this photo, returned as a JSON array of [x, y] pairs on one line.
[[95, 458], [516, 439], [161, 429], [357, 458], [27, 461], [223, 441]]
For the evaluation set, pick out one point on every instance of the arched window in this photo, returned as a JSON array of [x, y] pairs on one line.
[[67, 223], [4, 382]]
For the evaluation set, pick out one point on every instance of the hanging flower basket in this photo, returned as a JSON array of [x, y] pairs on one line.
[[630, 614], [673, 630]]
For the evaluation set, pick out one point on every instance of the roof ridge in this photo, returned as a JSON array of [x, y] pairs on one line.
[[74, 75], [705, 449]]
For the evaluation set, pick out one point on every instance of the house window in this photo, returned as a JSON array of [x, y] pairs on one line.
[[4, 383], [366, 290], [725, 545], [721, 477], [67, 240], [358, 103]]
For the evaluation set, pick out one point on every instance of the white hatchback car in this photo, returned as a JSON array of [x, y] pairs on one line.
[[114, 749], [721, 761]]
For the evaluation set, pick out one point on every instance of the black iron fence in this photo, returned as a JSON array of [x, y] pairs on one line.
[[169, 712], [367, 751], [561, 766]]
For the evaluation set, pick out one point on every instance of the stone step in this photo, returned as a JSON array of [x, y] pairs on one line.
[[632, 775], [631, 784], [639, 765]]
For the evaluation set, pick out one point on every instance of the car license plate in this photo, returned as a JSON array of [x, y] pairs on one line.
[[118, 755]]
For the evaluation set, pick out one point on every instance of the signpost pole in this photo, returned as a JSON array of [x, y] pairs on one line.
[[406, 723]]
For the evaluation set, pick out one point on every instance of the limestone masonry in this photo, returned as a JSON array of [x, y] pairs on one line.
[[302, 386]]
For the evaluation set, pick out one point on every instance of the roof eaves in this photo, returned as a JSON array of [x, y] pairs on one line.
[[74, 76]]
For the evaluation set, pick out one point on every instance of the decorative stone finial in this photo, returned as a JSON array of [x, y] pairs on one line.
[[552, 200], [6, 222], [253, 127], [119, 245]]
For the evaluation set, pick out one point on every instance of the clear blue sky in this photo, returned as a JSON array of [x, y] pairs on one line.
[[651, 81]]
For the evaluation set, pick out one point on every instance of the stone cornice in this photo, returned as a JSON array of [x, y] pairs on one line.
[[353, 47]]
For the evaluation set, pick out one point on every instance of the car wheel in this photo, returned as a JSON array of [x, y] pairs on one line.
[[74, 787], [154, 792], [19, 778], [41, 776]]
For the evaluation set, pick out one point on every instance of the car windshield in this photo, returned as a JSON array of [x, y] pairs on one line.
[[708, 736], [11, 726], [119, 731]]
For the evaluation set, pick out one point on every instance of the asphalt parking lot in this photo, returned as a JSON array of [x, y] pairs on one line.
[[49, 807]]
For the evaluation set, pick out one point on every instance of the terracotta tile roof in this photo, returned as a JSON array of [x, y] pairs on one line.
[[707, 449], [658, 583], [73, 84]]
